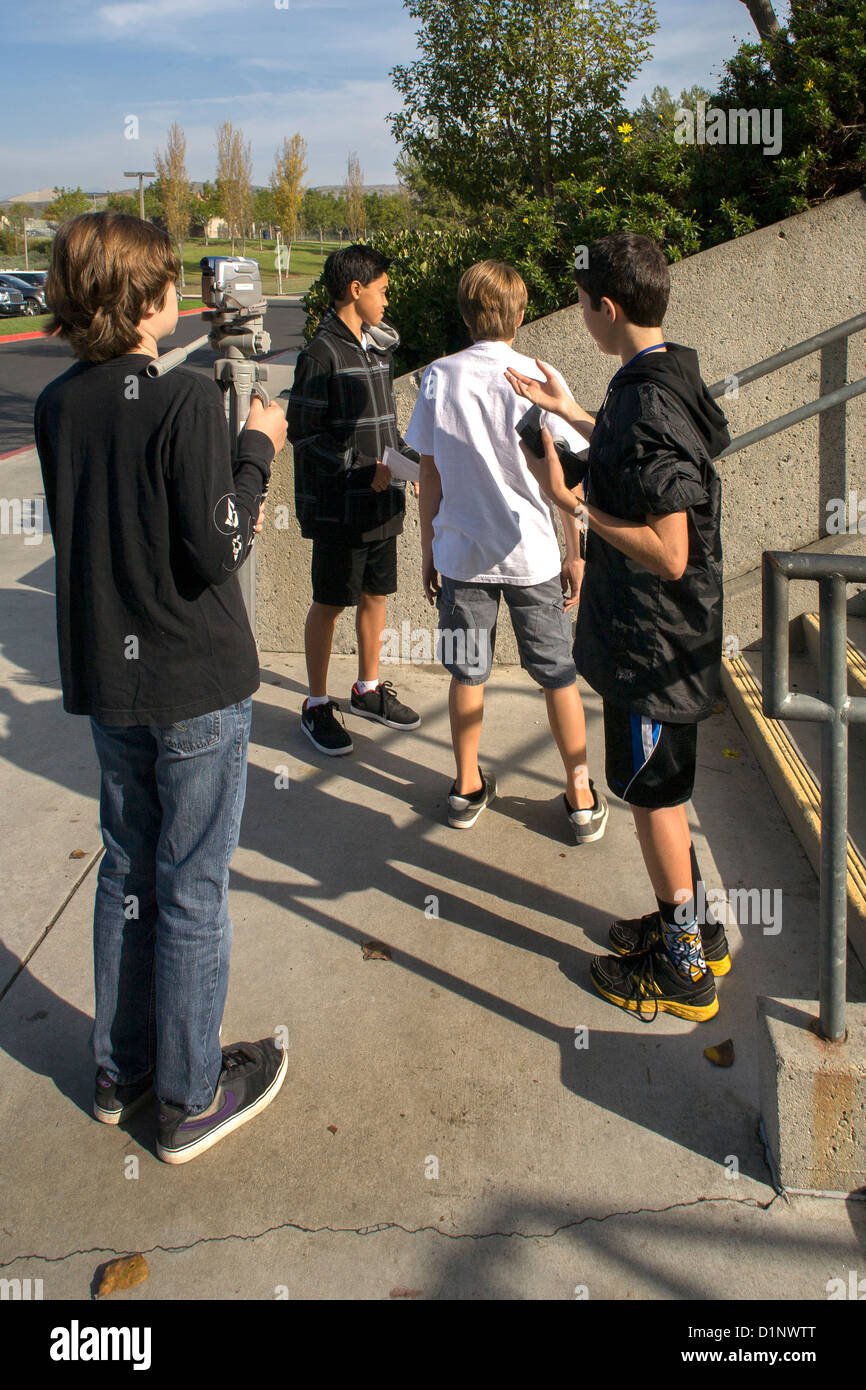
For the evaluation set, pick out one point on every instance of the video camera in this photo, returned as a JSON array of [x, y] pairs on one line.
[[231, 284]]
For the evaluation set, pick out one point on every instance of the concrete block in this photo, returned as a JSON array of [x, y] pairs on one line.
[[813, 1097]]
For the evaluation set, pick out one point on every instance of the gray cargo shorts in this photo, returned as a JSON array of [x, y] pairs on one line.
[[466, 638]]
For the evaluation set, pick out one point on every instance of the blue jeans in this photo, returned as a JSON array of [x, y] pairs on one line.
[[170, 805]]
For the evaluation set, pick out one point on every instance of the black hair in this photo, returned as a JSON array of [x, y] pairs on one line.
[[632, 271], [355, 262]]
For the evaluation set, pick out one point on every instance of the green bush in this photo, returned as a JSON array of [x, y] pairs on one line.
[[537, 236]]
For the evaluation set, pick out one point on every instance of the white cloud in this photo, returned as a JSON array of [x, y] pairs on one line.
[[137, 16]]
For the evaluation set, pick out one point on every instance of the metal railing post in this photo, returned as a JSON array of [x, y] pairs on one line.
[[833, 689], [835, 710]]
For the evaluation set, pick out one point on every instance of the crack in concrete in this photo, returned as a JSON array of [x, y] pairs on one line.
[[395, 1226]]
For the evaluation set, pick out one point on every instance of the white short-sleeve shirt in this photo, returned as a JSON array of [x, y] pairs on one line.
[[494, 525]]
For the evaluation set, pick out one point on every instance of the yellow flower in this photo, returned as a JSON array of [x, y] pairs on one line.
[[601, 188], [625, 128], [809, 85], [526, 219]]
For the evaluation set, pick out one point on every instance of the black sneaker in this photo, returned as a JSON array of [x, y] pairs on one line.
[[637, 933], [382, 705], [463, 811], [647, 983], [588, 824], [322, 729], [251, 1076], [112, 1103]]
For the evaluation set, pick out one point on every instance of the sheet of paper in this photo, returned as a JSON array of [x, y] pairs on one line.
[[400, 466]]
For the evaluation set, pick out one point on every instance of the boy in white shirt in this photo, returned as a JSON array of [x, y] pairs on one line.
[[487, 529]]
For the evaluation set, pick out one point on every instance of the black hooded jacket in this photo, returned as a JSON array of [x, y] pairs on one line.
[[645, 643]]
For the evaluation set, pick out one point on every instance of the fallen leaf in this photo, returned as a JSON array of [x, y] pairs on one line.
[[376, 950], [124, 1273], [332, 1128], [731, 752], [399, 1292], [78, 854], [562, 854], [722, 1055]]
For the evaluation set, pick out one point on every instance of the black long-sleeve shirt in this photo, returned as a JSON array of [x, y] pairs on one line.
[[150, 526]]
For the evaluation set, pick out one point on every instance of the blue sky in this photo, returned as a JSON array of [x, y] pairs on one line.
[[74, 69]]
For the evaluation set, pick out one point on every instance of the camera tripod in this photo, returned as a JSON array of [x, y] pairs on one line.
[[237, 336]]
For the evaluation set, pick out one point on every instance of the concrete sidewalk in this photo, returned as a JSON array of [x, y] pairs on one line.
[[606, 1167]]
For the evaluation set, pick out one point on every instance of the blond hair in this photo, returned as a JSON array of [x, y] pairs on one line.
[[491, 297], [107, 270]]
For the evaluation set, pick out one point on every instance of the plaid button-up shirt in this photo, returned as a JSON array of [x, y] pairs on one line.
[[341, 416]]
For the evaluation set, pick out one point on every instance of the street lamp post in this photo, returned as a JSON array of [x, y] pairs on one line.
[[141, 175]]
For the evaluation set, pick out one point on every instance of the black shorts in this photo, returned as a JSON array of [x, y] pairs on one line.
[[341, 573], [648, 763]]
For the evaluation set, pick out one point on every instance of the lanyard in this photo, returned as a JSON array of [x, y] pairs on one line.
[[653, 347]]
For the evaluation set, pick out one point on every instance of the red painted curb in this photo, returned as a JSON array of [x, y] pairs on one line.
[[12, 452], [24, 337]]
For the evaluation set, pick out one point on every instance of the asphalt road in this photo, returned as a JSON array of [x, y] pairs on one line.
[[25, 368]]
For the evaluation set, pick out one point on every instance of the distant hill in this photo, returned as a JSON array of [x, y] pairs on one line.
[[41, 197]]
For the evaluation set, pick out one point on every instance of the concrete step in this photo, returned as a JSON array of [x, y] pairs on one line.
[[785, 761], [811, 628]]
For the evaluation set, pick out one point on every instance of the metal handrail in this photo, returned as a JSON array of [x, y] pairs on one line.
[[792, 354], [834, 709], [781, 359], [793, 417]]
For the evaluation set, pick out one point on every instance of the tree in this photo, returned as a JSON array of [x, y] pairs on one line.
[[290, 165], [175, 189], [68, 202], [234, 180], [123, 202], [205, 205], [512, 95], [764, 17], [353, 192], [814, 73], [386, 212], [19, 214], [323, 211], [263, 211]]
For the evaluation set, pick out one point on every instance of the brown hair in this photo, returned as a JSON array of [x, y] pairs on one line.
[[632, 271], [107, 270], [491, 297]]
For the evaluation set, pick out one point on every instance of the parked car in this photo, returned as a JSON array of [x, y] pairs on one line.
[[32, 295], [11, 302], [30, 277]]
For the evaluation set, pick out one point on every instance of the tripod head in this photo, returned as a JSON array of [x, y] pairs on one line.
[[231, 286]]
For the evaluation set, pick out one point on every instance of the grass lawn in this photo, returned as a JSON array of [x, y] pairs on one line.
[[305, 265], [23, 324]]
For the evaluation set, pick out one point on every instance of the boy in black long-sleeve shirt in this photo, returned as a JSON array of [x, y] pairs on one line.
[[151, 522]]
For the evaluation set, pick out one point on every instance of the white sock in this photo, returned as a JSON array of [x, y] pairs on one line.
[[313, 700], [364, 687]]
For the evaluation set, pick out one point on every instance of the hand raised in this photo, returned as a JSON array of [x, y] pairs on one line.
[[549, 394]]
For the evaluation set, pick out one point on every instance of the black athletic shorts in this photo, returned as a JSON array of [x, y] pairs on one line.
[[341, 573], [648, 763]]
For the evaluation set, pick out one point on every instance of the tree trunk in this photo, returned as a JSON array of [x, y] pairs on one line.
[[764, 18]]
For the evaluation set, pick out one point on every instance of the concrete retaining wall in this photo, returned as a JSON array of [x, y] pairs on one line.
[[736, 303]]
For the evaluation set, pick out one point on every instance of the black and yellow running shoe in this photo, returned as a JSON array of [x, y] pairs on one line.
[[647, 984], [637, 933]]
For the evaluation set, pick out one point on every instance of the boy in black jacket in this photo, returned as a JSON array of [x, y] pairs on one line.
[[341, 418], [649, 629], [150, 524]]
